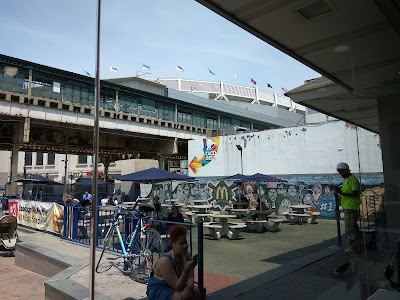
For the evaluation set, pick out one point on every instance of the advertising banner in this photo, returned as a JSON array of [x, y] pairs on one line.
[[41, 215], [13, 208]]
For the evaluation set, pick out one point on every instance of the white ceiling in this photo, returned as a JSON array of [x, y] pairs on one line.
[[368, 29]]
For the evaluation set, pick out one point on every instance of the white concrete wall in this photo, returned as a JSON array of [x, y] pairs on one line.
[[311, 149]]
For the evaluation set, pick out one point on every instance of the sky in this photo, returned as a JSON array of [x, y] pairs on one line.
[[161, 34]]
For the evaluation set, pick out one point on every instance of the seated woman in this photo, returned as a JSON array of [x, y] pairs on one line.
[[175, 215], [173, 276]]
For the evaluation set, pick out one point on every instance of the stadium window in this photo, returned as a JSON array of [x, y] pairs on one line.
[[82, 159], [39, 158], [28, 158], [51, 158]]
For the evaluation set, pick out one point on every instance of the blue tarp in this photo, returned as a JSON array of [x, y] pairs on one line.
[[88, 182], [153, 175], [37, 179]]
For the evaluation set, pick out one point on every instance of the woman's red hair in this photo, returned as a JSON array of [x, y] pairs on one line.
[[176, 231]]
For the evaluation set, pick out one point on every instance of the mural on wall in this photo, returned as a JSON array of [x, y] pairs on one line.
[[372, 206], [210, 149], [276, 196]]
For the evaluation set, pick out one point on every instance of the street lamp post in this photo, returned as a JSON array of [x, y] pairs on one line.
[[65, 165], [239, 147]]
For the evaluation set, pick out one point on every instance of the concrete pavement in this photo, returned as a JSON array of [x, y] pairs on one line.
[[259, 265]]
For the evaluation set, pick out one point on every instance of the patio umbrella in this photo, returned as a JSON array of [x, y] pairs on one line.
[[258, 177], [153, 175], [237, 176], [37, 179], [88, 182]]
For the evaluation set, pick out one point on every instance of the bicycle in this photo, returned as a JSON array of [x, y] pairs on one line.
[[144, 245]]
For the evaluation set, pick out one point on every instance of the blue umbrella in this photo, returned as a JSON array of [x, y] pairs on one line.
[[88, 182], [258, 177], [37, 179], [237, 176], [153, 175]]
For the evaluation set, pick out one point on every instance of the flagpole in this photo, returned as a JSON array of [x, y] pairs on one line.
[[95, 161]]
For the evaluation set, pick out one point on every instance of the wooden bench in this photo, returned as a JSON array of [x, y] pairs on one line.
[[234, 230], [301, 218], [314, 215], [257, 225], [275, 224], [214, 230]]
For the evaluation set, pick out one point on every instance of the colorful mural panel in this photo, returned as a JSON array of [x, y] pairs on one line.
[[210, 149], [223, 194]]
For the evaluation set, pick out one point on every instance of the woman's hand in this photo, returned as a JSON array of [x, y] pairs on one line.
[[191, 264]]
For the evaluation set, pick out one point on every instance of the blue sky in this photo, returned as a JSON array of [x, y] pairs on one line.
[[159, 33]]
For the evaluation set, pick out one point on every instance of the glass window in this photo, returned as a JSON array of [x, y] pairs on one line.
[[212, 122], [184, 117], [28, 158], [39, 158], [51, 158], [166, 111], [148, 107], [82, 159]]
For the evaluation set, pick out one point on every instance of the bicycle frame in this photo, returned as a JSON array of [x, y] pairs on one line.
[[139, 253], [140, 223]]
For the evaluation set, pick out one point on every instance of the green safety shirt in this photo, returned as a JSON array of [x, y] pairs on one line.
[[350, 184]]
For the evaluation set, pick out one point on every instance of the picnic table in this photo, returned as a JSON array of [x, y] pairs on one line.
[[241, 212], [202, 208], [223, 228], [198, 202], [260, 220], [299, 215]]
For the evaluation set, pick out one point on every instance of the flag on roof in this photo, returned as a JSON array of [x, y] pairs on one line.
[[253, 81], [113, 69], [179, 68], [236, 76], [211, 72], [270, 86], [87, 73], [285, 90], [145, 67]]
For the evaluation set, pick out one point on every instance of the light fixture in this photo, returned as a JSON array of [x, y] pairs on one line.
[[239, 147]]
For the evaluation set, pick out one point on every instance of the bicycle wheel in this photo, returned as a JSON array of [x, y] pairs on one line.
[[106, 242], [145, 252]]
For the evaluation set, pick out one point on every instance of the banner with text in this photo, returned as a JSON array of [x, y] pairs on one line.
[[41, 215]]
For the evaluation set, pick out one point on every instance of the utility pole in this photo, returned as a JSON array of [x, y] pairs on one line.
[[66, 165], [24, 164]]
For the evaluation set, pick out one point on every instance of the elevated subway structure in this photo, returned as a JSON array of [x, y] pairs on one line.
[[51, 110]]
